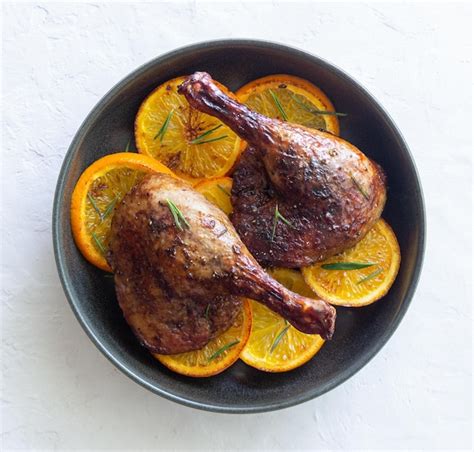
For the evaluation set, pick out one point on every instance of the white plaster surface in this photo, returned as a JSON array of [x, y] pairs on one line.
[[59, 392]]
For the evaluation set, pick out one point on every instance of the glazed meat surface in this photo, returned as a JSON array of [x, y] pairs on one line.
[[299, 195], [166, 276]]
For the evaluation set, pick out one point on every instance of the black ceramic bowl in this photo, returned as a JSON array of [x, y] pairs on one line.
[[360, 333]]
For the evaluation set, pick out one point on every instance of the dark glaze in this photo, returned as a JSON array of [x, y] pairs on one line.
[[328, 190], [165, 278]]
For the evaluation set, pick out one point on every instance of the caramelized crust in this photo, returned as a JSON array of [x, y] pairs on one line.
[[180, 287], [329, 192]]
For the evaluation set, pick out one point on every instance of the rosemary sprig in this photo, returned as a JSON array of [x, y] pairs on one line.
[[315, 111], [109, 209], [278, 105], [279, 337], [222, 350], [370, 276], [346, 265], [94, 205], [127, 148], [164, 127], [205, 134], [206, 312], [98, 243], [223, 189], [278, 216], [360, 188], [177, 216], [211, 140]]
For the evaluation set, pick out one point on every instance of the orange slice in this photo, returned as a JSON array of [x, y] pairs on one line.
[[194, 145], [292, 99], [274, 345], [99, 189], [218, 192], [218, 355], [359, 286]]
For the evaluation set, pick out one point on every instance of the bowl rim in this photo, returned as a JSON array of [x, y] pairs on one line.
[[60, 259]]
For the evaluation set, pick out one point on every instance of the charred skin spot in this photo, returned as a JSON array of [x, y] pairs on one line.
[[208, 222], [171, 252]]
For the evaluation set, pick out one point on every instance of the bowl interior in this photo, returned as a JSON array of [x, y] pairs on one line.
[[360, 333]]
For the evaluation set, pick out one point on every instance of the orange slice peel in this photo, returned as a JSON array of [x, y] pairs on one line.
[[218, 355], [360, 275], [274, 345], [97, 192], [194, 145]]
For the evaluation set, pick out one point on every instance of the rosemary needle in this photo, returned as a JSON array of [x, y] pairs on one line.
[[210, 140], [279, 338], [370, 276], [205, 134], [223, 189], [164, 127], [223, 349], [98, 243], [346, 265], [360, 188], [109, 209], [206, 312], [278, 105], [315, 111], [278, 216], [94, 205], [177, 216]]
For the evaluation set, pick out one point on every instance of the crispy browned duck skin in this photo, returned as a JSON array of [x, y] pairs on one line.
[[166, 277], [329, 192]]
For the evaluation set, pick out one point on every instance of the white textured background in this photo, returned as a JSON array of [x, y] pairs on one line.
[[59, 392]]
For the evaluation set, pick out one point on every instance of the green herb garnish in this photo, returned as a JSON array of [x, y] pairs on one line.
[[164, 127], [211, 140], [223, 189], [98, 243], [94, 205], [279, 338], [109, 209], [346, 265], [127, 148], [222, 350], [370, 276], [315, 111], [206, 312], [177, 216], [278, 105], [360, 188], [277, 217], [205, 134]]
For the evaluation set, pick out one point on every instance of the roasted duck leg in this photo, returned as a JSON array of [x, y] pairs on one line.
[[180, 268], [299, 195]]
